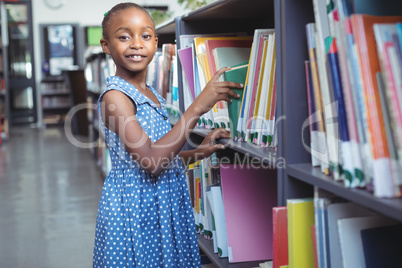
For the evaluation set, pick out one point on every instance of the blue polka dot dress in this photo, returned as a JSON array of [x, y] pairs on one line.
[[144, 221]]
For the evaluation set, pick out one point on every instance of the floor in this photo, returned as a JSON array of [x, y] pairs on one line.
[[49, 192]]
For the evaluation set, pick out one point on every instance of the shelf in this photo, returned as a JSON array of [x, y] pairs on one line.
[[55, 93], [267, 155], [167, 27], [231, 9], [306, 173], [53, 79], [52, 108], [207, 247]]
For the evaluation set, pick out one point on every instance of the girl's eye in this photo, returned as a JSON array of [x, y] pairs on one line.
[[124, 38], [146, 36]]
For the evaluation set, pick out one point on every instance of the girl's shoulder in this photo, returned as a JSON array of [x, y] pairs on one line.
[[119, 84]]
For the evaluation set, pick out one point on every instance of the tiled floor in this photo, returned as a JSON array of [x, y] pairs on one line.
[[49, 192]]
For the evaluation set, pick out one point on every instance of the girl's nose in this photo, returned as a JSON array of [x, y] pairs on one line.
[[136, 43]]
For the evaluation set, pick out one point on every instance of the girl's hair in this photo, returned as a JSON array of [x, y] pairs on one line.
[[117, 9]]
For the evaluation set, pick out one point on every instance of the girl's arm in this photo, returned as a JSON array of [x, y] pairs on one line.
[[118, 113]]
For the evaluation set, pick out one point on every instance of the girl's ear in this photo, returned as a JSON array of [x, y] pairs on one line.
[[156, 44], [105, 46]]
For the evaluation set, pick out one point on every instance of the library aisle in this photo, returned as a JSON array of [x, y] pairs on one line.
[[49, 191]]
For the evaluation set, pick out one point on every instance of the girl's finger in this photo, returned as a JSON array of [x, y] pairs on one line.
[[229, 84], [219, 73]]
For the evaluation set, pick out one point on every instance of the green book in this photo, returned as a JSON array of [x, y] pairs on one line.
[[237, 74]]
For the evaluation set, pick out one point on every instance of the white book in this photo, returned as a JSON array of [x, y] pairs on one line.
[[220, 222], [350, 238]]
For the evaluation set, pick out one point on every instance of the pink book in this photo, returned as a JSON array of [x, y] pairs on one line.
[[249, 193]]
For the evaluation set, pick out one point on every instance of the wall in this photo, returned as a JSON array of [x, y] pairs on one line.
[[83, 12]]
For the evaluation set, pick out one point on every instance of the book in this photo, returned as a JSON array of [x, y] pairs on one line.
[[237, 74], [248, 101], [350, 239], [247, 192], [300, 219], [349, 96], [315, 247], [261, 125], [329, 108], [186, 60], [321, 154], [227, 57], [339, 211], [280, 236], [346, 146], [220, 221], [391, 101], [211, 44], [383, 176], [382, 246], [313, 125]]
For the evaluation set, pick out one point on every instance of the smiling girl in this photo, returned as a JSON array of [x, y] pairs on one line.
[[145, 217]]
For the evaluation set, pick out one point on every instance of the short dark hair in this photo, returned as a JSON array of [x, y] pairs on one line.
[[117, 9]]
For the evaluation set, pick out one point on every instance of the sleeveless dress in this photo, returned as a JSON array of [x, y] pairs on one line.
[[144, 221]]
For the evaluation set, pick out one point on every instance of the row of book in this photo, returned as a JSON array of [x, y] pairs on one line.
[[98, 67], [231, 210], [252, 61], [235, 206], [353, 77], [162, 75], [345, 234]]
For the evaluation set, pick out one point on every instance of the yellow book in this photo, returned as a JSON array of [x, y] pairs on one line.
[[300, 243]]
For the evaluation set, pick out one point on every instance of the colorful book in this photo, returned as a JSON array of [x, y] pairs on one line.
[[383, 176], [211, 44]]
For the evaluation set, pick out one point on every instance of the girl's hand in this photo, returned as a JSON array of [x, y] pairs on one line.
[[208, 146], [215, 91]]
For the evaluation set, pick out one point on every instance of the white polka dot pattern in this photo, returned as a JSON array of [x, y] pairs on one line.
[[144, 221]]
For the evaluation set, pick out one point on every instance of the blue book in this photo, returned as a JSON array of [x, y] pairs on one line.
[[346, 150], [382, 246]]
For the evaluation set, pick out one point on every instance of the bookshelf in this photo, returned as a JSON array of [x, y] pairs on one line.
[[297, 179], [288, 17], [4, 94], [56, 100]]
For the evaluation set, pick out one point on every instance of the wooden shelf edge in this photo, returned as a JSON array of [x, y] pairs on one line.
[[391, 207]]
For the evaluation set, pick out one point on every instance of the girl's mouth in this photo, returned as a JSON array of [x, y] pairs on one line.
[[135, 57]]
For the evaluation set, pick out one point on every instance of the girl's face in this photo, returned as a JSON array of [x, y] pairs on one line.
[[131, 41]]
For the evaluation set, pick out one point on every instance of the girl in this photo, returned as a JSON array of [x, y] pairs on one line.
[[145, 217]]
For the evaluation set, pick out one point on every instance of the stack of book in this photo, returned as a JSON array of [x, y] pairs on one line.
[[353, 77], [252, 60]]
